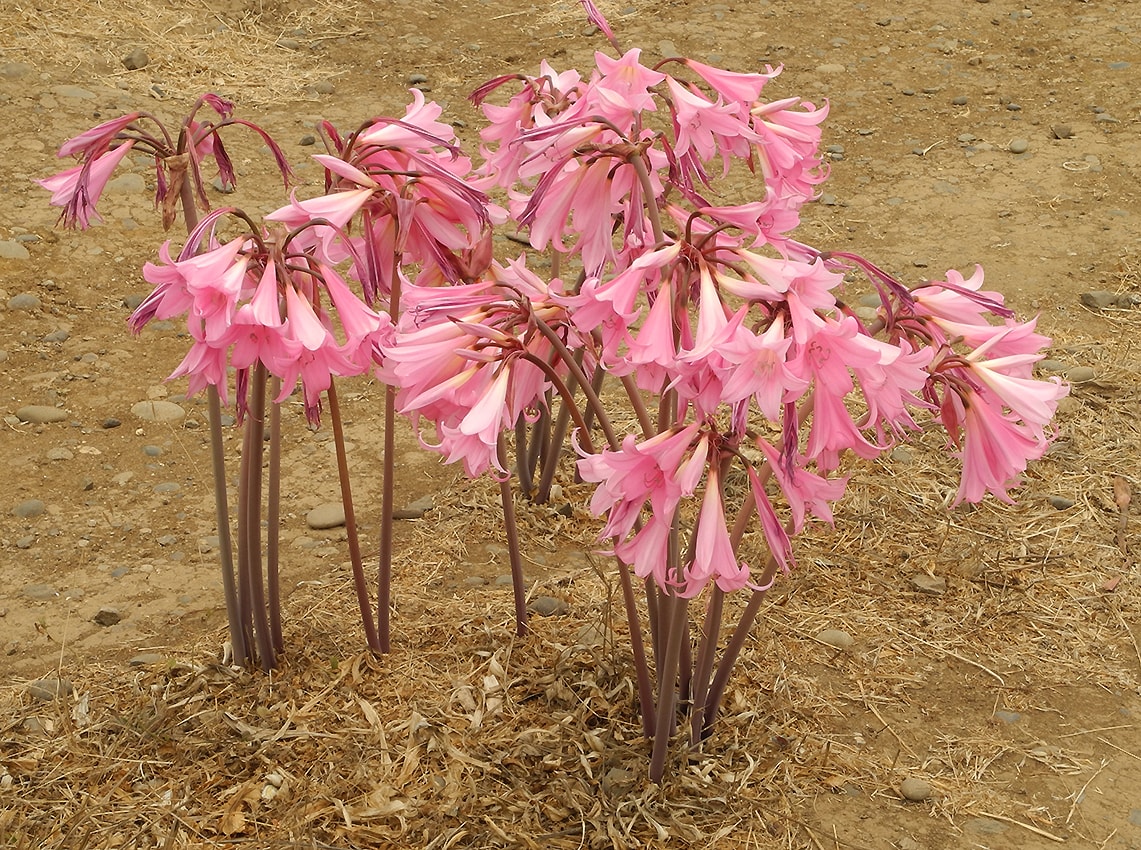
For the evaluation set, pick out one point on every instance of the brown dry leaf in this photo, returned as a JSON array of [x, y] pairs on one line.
[[381, 802], [1121, 492]]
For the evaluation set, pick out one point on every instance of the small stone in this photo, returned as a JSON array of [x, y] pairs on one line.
[[829, 200], [136, 59], [107, 616], [836, 638], [26, 542], [167, 487], [1019, 146], [146, 659], [416, 509], [24, 301], [548, 606], [1062, 131], [328, 515], [1099, 300], [158, 411], [152, 451], [73, 92], [307, 140], [49, 689], [60, 453], [324, 87], [40, 414], [901, 454], [40, 592], [1049, 365], [931, 585], [1081, 374], [1104, 118], [29, 509], [417, 79], [1060, 502], [12, 250], [289, 44], [914, 789], [1007, 717], [961, 100], [1013, 107], [830, 68]]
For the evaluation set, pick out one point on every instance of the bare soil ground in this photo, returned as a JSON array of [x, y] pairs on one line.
[[1011, 689]]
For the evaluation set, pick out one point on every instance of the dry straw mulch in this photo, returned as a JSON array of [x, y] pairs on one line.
[[468, 737]]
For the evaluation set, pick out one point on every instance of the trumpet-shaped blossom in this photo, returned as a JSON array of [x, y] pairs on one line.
[[78, 189]]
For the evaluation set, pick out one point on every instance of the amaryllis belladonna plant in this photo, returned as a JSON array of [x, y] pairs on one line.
[[725, 336]]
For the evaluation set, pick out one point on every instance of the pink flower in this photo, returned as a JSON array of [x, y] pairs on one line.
[[713, 557], [77, 189], [760, 370], [995, 450], [806, 492]]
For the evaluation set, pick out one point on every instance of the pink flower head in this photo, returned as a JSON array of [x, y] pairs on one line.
[[995, 449], [77, 189]]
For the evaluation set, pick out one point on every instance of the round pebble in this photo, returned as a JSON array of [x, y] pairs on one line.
[[158, 411], [49, 689], [328, 515], [28, 509], [1081, 374], [1019, 146], [40, 414], [914, 789], [548, 606], [836, 638], [24, 301]]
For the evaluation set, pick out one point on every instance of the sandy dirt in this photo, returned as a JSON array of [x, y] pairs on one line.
[[960, 132]]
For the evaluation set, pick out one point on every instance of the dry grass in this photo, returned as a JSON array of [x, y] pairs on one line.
[[465, 736]]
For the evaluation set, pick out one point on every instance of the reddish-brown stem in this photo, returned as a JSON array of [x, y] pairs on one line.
[[388, 488], [251, 540], [513, 552], [364, 600], [273, 519]]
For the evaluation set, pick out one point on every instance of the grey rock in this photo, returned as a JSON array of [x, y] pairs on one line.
[[548, 606], [167, 487], [307, 140], [111, 423], [12, 250], [1099, 300], [1051, 365], [24, 301], [26, 542], [40, 592], [831, 68], [1062, 131], [324, 87], [914, 789], [152, 451], [59, 453], [417, 79], [28, 509], [1007, 717], [416, 509], [108, 616], [49, 689], [984, 826], [40, 414], [146, 659], [931, 585], [1060, 502], [328, 515], [1019, 146], [158, 411], [15, 70], [60, 335], [73, 92], [1081, 374], [836, 638], [136, 59], [126, 184]]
